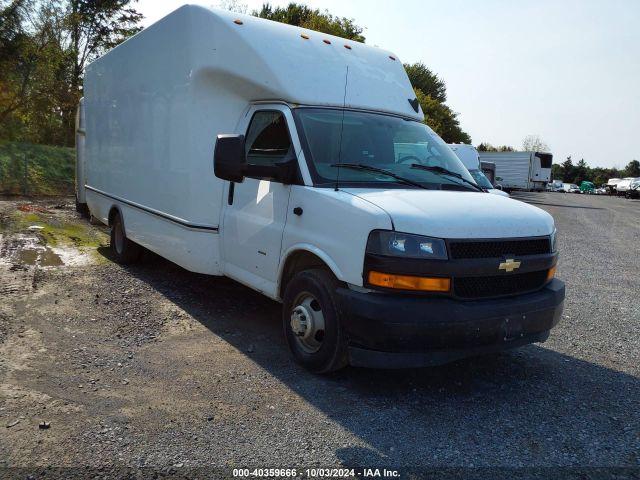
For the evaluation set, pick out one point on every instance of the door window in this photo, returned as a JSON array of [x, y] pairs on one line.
[[268, 140]]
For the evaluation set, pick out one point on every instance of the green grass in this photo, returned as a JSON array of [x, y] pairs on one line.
[[49, 170]]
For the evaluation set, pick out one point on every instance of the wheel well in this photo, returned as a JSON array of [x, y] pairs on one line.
[[112, 214], [297, 262]]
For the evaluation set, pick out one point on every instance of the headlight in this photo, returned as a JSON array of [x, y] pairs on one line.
[[552, 238], [406, 245]]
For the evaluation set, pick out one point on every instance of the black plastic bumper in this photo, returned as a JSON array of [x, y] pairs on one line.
[[399, 331]]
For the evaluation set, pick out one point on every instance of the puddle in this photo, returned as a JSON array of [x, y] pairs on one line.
[[43, 257], [24, 250]]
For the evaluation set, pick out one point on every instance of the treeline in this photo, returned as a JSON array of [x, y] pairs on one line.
[[44, 47], [570, 173], [46, 44]]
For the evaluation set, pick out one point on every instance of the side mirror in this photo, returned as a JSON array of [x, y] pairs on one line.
[[283, 172], [228, 158]]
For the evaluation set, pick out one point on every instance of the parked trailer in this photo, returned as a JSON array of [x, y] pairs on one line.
[[521, 170], [236, 146]]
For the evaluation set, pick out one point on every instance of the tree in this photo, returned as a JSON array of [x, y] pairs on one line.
[[94, 27], [632, 169], [431, 92], [313, 19], [442, 119], [580, 172], [426, 81], [568, 170], [44, 48], [533, 143], [487, 147]]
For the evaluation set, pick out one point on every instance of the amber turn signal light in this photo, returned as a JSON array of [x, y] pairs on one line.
[[551, 273], [408, 282]]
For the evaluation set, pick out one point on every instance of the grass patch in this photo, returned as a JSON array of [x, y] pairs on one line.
[[30, 169], [56, 232]]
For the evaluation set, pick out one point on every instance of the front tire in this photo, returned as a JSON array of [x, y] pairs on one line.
[[311, 321], [123, 250]]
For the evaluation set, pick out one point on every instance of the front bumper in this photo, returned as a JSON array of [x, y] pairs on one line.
[[398, 331]]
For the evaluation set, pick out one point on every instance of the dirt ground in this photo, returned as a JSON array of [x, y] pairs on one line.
[[153, 366]]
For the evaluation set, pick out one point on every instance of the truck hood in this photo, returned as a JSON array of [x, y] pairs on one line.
[[447, 214]]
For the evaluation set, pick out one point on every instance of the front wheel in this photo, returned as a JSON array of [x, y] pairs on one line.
[[311, 321]]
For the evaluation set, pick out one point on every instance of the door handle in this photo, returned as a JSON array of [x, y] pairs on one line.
[[232, 186]]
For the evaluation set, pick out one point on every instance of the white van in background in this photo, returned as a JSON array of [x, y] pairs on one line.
[[469, 157], [298, 164]]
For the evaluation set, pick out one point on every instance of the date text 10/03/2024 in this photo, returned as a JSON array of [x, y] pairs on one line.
[[315, 473]]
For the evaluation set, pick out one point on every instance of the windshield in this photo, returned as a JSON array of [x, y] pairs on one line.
[[481, 179], [375, 140]]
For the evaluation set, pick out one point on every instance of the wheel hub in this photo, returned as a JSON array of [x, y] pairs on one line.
[[302, 322]]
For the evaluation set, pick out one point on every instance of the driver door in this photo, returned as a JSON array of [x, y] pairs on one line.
[[256, 209]]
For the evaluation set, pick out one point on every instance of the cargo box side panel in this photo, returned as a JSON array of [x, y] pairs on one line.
[[140, 119]]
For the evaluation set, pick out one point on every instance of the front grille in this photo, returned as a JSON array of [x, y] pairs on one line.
[[499, 248], [496, 286]]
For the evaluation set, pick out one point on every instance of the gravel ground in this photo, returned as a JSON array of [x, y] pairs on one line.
[[153, 366]]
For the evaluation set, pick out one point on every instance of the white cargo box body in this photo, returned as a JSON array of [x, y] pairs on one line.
[[155, 104], [520, 170]]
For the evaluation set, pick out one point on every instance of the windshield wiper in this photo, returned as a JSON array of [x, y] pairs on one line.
[[362, 166], [444, 171]]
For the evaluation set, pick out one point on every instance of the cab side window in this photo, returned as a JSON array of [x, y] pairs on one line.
[[267, 141]]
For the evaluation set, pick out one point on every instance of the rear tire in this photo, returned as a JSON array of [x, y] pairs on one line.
[[123, 250], [82, 209], [311, 321]]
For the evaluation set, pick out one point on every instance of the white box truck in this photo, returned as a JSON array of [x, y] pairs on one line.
[[298, 163], [469, 157], [521, 170]]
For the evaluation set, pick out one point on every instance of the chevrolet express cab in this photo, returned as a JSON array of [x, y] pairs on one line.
[[298, 164]]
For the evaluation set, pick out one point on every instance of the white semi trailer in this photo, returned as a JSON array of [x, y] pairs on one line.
[[521, 170], [298, 163]]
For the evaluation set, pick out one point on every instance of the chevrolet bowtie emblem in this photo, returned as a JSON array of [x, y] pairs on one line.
[[509, 265]]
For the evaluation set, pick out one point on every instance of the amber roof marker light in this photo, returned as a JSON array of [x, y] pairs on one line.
[[328, 42], [305, 36], [348, 47], [237, 21]]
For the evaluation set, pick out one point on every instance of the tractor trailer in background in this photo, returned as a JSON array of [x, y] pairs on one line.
[[529, 171]]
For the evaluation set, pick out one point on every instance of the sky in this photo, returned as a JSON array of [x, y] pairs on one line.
[[566, 70]]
